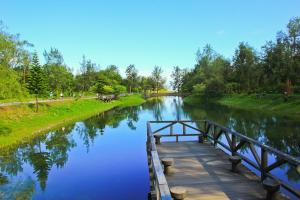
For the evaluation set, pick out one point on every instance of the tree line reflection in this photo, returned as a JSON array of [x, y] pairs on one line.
[[52, 149], [279, 132]]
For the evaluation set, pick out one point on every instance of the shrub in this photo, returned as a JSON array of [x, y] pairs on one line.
[[214, 88]]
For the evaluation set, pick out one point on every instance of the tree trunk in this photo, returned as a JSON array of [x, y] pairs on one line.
[[130, 89], [36, 103]]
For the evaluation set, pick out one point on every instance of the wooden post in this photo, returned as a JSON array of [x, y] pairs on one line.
[[233, 144], [205, 124], [183, 129], [264, 163], [171, 130], [215, 136]]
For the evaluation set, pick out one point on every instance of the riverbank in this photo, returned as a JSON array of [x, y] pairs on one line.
[[20, 123], [269, 102]]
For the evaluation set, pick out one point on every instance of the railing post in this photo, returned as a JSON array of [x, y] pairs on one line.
[[215, 136], [171, 130], [183, 129], [264, 163], [233, 144]]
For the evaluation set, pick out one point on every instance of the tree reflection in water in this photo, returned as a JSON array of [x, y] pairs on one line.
[[279, 132], [52, 149]]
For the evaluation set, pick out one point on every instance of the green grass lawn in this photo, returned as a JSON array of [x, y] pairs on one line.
[[268, 103], [20, 123]]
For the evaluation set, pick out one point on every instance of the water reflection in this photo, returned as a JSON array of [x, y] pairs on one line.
[[276, 131], [100, 155], [52, 150]]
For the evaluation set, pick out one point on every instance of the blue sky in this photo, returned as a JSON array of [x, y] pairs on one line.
[[145, 33]]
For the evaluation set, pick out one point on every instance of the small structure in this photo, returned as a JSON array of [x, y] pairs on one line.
[[107, 98]]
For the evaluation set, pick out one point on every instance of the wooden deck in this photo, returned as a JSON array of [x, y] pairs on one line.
[[205, 172]]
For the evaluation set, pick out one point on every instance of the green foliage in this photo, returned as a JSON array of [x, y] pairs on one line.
[[118, 89], [177, 76], [59, 77], [157, 78], [199, 88], [107, 89], [36, 79], [131, 75], [275, 70], [9, 84], [214, 88]]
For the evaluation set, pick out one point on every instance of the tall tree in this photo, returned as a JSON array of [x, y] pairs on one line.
[[157, 78], [177, 75], [59, 77], [244, 62], [36, 81], [131, 75], [88, 74], [54, 56]]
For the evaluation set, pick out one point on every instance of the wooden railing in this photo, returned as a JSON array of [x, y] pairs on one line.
[[158, 183], [232, 141], [236, 141]]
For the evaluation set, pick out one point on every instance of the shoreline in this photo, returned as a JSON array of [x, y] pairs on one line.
[[268, 103], [85, 109]]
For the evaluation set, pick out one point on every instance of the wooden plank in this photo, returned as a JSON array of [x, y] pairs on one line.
[[162, 184], [205, 172], [261, 163]]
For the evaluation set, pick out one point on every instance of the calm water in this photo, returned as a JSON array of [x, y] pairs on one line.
[[104, 157]]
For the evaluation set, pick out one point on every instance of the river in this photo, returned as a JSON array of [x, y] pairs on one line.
[[104, 157]]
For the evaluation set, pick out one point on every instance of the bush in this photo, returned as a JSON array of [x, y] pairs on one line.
[[199, 89], [108, 89], [214, 88], [118, 89]]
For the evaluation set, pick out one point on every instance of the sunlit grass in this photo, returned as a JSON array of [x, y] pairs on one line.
[[20, 123], [266, 103]]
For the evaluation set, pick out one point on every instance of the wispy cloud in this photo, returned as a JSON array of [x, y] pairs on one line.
[[220, 32]]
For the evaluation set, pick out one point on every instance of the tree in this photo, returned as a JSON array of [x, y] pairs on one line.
[[88, 76], [177, 75], [59, 77], [245, 62], [53, 57], [36, 81], [100, 84], [131, 74], [9, 85], [157, 78]]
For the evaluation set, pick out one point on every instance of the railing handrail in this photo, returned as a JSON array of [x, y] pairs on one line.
[[285, 156], [160, 180]]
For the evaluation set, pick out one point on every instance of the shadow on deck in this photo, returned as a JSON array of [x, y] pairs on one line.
[[205, 173]]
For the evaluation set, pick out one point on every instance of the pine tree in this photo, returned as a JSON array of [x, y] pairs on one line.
[[36, 81]]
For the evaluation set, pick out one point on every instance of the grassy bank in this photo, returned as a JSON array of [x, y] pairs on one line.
[[269, 102], [20, 123]]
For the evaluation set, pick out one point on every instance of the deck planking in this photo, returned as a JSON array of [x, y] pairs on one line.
[[205, 172]]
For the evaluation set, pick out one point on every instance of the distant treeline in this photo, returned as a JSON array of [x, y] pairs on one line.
[[22, 75], [275, 69]]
